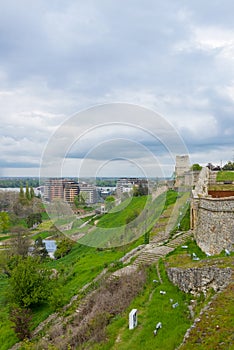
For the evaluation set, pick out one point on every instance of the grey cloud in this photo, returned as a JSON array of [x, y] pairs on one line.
[[58, 57]]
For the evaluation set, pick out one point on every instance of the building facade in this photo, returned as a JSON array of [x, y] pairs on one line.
[[62, 189]]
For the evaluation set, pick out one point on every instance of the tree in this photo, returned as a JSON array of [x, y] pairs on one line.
[[196, 167], [20, 242], [40, 248], [79, 200], [63, 248], [229, 166], [34, 218], [32, 193], [110, 202], [141, 190], [27, 193], [30, 282], [21, 194], [21, 319], [4, 221]]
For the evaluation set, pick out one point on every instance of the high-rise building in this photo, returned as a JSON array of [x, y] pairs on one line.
[[61, 189], [71, 190], [53, 189]]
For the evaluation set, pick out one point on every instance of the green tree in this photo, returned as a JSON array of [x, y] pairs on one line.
[[63, 248], [34, 218], [40, 248], [21, 194], [27, 193], [110, 202], [141, 190], [229, 166], [29, 282], [4, 221], [32, 193], [20, 242], [79, 200], [196, 167]]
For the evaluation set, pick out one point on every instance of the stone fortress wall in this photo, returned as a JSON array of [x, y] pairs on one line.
[[212, 219]]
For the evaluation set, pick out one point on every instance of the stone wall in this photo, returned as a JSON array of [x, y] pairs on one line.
[[211, 219], [196, 280], [214, 224]]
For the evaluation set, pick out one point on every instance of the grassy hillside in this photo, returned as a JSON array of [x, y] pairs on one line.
[[152, 307], [114, 229]]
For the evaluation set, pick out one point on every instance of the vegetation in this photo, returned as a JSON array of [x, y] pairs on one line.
[[141, 190], [108, 301], [152, 307], [79, 201], [43, 285], [105, 182], [17, 182], [196, 167], [4, 222], [34, 218], [21, 319], [29, 282], [225, 176], [229, 166], [63, 248], [109, 202], [215, 329]]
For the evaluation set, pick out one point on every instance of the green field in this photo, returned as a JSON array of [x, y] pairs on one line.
[[225, 176]]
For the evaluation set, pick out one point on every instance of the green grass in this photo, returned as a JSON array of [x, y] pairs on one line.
[[118, 218], [225, 176], [7, 336], [181, 257], [215, 329], [152, 308], [222, 187], [43, 235], [112, 230]]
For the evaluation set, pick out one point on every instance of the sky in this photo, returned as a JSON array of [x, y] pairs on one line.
[[60, 59]]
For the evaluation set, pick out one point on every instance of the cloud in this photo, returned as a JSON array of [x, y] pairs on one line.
[[57, 58]]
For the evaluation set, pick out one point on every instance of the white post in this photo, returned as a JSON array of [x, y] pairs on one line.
[[133, 319]]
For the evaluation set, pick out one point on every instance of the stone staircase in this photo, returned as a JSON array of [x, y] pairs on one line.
[[180, 239], [151, 254]]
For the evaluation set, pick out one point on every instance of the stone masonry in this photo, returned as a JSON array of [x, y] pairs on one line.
[[212, 219], [196, 280], [215, 224]]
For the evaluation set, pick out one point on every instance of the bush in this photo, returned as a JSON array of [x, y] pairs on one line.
[[21, 319], [29, 282], [63, 248]]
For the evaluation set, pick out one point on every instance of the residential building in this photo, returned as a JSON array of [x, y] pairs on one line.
[[61, 189], [88, 192]]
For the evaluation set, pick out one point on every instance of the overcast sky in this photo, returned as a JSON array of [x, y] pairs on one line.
[[60, 57]]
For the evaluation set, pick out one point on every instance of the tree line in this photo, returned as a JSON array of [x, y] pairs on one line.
[[17, 182]]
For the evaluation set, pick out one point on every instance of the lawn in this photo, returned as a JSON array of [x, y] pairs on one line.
[[225, 176]]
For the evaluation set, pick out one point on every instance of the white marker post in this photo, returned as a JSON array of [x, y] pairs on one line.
[[133, 319]]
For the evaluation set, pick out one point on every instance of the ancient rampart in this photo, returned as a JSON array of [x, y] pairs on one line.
[[212, 219]]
